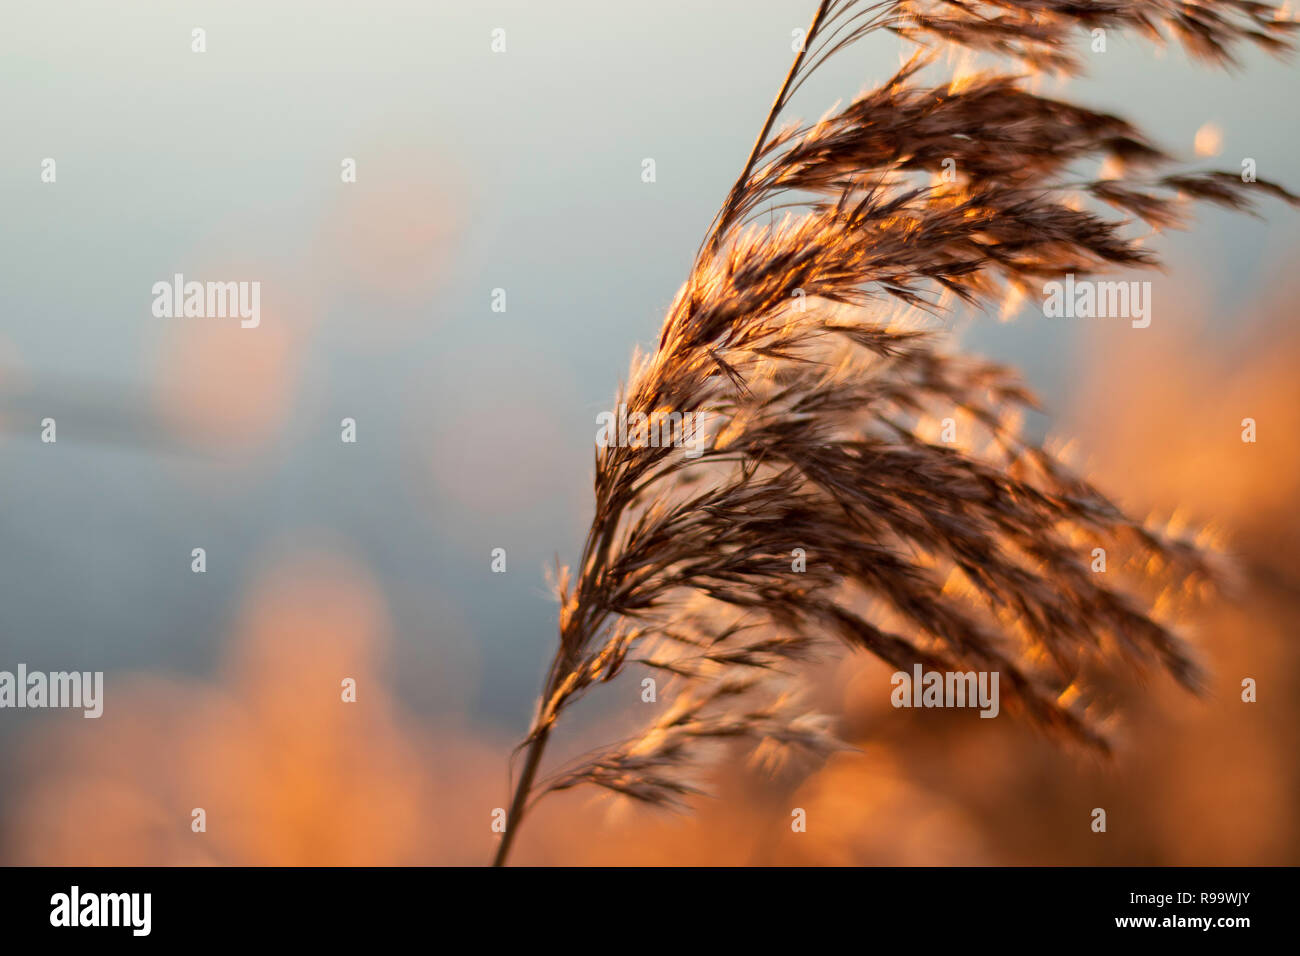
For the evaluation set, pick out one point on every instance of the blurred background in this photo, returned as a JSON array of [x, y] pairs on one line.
[[521, 171]]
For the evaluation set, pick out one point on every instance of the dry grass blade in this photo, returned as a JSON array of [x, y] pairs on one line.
[[803, 349]]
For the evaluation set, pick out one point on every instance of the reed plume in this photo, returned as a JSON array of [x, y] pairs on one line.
[[809, 352]]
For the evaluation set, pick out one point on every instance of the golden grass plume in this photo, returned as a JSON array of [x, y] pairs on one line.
[[806, 349]]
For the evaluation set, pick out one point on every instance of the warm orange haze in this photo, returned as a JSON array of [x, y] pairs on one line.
[[1197, 781]]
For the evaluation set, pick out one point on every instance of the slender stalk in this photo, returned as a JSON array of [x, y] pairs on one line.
[[533, 758], [520, 801], [729, 207]]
